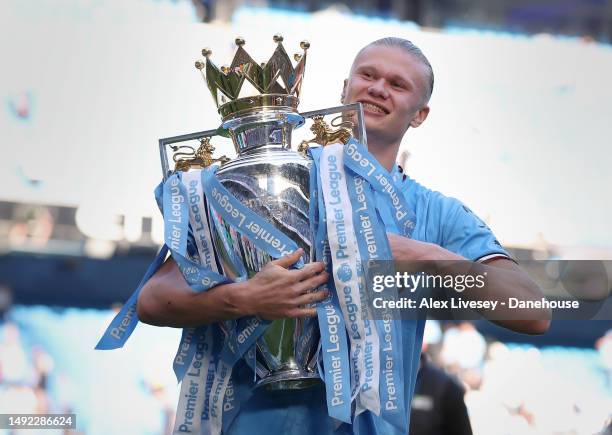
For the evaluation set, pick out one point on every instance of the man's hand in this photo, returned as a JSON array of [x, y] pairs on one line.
[[276, 292]]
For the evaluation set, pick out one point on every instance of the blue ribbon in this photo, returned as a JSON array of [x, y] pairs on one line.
[[176, 214], [200, 278], [375, 251], [251, 328], [185, 352], [175, 210], [126, 320], [361, 162], [334, 345]]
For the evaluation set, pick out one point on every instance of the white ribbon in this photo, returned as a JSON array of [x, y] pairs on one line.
[[217, 395], [347, 273], [191, 401]]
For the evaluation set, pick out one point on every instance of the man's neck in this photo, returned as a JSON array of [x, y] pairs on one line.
[[386, 154]]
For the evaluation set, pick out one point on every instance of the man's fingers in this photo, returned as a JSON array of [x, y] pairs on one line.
[[312, 297], [289, 259], [303, 312], [309, 270], [313, 282]]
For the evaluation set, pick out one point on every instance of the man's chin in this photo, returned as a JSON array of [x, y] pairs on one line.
[[373, 128]]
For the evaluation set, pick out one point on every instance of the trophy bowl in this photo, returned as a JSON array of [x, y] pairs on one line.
[[273, 181]]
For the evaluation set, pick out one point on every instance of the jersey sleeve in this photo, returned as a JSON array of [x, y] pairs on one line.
[[466, 234]]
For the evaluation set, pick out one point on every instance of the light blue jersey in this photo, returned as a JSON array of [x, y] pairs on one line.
[[440, 220]]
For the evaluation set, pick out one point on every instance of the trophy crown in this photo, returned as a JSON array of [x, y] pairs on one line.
[[275, 83]]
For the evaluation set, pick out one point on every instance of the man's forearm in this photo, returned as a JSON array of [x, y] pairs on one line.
[[504, 279], [275, 292], [167, 300]]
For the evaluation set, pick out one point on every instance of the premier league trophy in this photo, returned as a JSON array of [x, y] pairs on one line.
[[269, 178]]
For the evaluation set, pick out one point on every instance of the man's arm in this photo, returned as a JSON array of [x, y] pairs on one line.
[[504, 279], [274, 292]]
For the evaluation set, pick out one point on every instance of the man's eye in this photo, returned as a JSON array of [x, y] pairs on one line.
[[367, 75], [398, 85]]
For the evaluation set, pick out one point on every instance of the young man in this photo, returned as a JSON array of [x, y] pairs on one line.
[[393, 80]]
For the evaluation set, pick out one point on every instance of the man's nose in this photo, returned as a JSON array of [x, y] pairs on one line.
[[379, 89]]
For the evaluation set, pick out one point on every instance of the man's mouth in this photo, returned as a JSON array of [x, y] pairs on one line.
[[373, 108]]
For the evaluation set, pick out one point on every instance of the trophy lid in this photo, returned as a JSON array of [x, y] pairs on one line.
[[275, 85]]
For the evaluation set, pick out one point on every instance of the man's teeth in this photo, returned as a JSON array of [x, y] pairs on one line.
[[373, 108]]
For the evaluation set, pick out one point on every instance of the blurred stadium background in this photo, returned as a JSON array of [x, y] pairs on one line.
[[519, 130]]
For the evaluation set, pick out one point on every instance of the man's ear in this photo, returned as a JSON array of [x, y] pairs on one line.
[[420, 117], [343, 94]]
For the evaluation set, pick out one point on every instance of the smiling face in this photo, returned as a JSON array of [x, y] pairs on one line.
[[392, 85]]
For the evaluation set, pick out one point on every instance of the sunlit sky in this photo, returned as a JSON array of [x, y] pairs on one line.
[[519, 127]]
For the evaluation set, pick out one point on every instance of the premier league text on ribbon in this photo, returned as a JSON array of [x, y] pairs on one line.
[[175, 217], [365, 223], [333, 319], [189, 418], [348, 276], [201, 225], [181, 355], [385, 184], [119, 330], [252, 228]]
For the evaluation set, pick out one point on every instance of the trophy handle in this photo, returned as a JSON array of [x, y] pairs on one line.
[[326, 135], [176, 144], [346, 125], [199, 159]]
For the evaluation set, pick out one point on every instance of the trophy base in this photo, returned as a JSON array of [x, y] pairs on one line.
[[292, 379]]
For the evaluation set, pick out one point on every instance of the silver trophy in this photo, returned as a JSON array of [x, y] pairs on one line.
[[268, 177]]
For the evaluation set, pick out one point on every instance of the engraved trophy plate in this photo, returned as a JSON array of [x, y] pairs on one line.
[[271, 179]]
